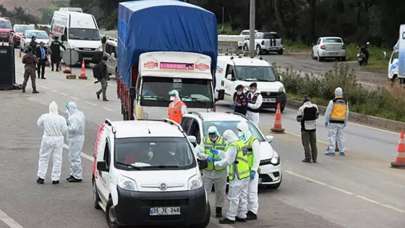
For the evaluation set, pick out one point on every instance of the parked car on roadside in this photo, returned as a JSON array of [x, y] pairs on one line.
[[245, 34], [19, 30], [393, 67], [266, 42], [6, 30], [329, 47], [110, 51], [40, 36], [197, 123]]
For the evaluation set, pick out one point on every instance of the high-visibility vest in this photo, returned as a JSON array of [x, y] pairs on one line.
[[249, 147], [240, 169], [209, 146], [339, 110], [174, 111]]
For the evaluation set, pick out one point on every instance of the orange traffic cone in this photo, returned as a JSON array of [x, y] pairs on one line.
[[83, 71], [400, 160], [277, 128]]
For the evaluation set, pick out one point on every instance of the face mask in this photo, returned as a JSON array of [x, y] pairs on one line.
[[172, 98], [239, 92]]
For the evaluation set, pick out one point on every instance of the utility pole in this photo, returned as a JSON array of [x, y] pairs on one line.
[[252, 34]]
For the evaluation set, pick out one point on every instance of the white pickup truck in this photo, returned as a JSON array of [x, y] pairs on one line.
[[266, 42]]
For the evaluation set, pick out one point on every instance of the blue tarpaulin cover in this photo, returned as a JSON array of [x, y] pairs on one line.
[[163, 25]]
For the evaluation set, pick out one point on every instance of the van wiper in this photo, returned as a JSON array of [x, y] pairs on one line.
[[128, 165], [164, 167]]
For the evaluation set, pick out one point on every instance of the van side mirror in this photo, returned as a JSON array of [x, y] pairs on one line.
[[230, 77], [192, 139], [202, 164], [269, 138], [102, 166]]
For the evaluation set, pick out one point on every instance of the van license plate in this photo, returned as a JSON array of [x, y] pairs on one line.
[[269, 100], [164, 211]]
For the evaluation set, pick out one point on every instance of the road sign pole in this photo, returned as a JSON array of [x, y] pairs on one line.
[[252, 52]]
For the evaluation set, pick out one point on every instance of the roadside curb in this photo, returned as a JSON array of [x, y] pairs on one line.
[[371, 121]]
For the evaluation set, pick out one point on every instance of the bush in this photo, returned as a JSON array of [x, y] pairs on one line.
[[379, 102]]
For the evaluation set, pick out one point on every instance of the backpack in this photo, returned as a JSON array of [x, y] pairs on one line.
[[339, 110]]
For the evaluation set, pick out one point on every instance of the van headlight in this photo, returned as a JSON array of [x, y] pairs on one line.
[[127, 184], [195, 182], [281, 89], [275, 160]]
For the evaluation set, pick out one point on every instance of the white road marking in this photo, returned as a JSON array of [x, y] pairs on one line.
[[10, 222], [387, 206], [108, 109], [90, 103], [75, 98]]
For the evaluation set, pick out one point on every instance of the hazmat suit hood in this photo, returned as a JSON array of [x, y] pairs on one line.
[[244, 132], [174, 95], [338, 92], [53, 108], [229, 136], [71, 107]]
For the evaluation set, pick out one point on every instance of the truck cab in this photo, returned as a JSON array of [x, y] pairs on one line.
[[161, 72], [233, 71]]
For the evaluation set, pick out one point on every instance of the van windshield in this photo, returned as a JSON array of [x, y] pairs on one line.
[[255, 73], [196, 93], [84, 34], [5, 24], [153, 153]]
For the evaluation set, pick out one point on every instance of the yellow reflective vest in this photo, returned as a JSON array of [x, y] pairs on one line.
[[209, 146], [240, 168]]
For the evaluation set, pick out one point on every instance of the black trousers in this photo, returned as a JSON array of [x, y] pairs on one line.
[[41, 68]]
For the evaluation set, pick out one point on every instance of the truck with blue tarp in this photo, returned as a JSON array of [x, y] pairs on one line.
[[165, 45]]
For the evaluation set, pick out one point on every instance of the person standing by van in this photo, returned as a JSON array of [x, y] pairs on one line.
[[307, 115], [56, 45], [255, 101], [29, 62], [239, 176], [177, 108], [336, 117], [212, 151], [42, 55], [240, 100]]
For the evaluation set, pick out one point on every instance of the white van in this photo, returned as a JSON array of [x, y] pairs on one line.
[[145, 174], [80, 35], [235, 70]]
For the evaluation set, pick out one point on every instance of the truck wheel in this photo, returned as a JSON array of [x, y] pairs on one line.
[[110, 215], [96, 197]]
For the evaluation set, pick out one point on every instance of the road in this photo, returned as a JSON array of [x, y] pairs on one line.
[[302, 62], [359, 190]]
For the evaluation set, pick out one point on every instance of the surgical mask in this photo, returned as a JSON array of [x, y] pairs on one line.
[[252, 90], [213, 138], [239, 92], [172, 98]]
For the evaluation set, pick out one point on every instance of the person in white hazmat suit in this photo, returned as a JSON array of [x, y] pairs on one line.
[[253, 146], [212, 151], [239, 174], [55, 130], [255, 101], [76, 124]]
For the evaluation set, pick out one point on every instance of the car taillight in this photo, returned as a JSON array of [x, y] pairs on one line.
[[323, 47]]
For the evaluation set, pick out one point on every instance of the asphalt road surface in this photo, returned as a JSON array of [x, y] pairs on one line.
[[304, 63], [359, 190]]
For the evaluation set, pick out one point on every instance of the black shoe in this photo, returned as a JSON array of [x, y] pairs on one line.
[[306, 161], [73, 179], [251, 216], [98, 96], [105, 99], [43, 78], [226, 221], [57, 70], [55, 182], [35, 91], [218, 212], [240, 219], [23, 90], [40, 181], [314, 161]]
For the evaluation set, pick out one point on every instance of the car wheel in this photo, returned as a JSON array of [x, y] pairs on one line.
[[206, 220], [280, 52], [319, 58], [258, 50], [96, 197], [343, 59], [111, 216]]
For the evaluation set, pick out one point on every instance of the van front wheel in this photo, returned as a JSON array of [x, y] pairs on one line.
[[111, 216]]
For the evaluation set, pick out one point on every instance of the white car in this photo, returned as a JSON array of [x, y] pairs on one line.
[[145, 174], [197, 124], [41, 36], [393, 68], [233, 71], [245, 34], [329, 47], [266, 42]]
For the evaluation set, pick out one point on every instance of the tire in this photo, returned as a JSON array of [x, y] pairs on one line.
[[96, 197], [319, 58], [110, 215], [206, 221], [312, 55], [280, 52], [343, 59]]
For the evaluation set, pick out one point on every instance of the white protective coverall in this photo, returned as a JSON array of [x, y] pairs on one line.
[[55, 128], [76, 125], [253, 113], [253, 198], [238, 189], [214, 177]]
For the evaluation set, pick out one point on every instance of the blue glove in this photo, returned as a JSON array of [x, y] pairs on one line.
[[210, 159], [215, 152], [252, 175], [216, 159]]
